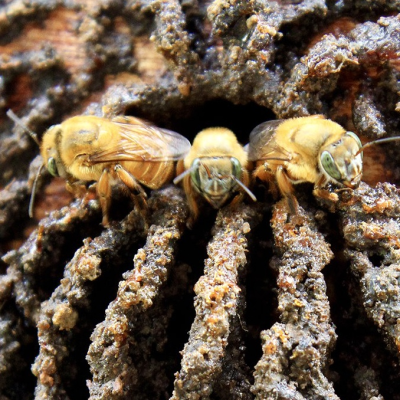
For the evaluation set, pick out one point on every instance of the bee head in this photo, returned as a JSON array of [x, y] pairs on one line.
[[50, 152], [215, 178], [341, 161]]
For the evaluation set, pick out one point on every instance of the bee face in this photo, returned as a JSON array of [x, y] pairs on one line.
[[214, 178], [340, 161], [50, 153], [215, 168]]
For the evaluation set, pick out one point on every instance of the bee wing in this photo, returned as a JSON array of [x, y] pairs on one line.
[[141, 141], [262, 145]]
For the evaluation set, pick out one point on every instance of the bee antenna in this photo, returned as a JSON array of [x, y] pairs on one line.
[[378, 141], [183, 174], [19, 122], [245, 188], [33, 193]]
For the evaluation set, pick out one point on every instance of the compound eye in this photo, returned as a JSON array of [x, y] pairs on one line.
[[195, 174], [237, 168], [52, 167], [329, 165], [355, 137]]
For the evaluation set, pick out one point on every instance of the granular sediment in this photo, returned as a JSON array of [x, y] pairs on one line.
[[114, 360], [371, 230], [218, 303], [185, 65], [297, 350]]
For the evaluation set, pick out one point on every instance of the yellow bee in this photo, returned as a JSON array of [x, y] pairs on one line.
[[124, 149], [307, 149], [215, 168]]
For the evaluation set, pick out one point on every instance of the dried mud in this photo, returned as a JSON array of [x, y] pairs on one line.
[[251, 303]]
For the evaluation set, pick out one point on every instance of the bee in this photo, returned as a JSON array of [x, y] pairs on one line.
[[214, 168], [122, 149], [307, 149]]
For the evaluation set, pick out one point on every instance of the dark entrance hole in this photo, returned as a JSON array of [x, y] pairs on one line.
[[241, 119]]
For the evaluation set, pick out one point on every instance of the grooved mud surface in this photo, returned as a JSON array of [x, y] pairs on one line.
[[297, 350], [250, 303], [219, 306]]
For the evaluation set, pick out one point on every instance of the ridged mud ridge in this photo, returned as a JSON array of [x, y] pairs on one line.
[[252, 303]]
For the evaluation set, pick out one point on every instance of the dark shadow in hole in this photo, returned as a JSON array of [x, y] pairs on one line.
[[296, 37], [336, 275], [261, 296], [191, 250], [359, 343], [103, 292], [3, 265], [376, 260], [241, 119], [18, 382], [342, 370], [47, 277]]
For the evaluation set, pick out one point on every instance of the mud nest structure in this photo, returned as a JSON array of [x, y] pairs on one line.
[[250, 303]]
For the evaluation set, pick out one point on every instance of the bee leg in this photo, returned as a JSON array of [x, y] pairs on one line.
[[138, 194], [326, 194], [80, 190], [189, 192], [129, 180], [236, 200], [267, 176], [77, 188], [286, 188], [141, 205], [180, 167], [322, 193], [103, 189], [190, 196], [239, 197]]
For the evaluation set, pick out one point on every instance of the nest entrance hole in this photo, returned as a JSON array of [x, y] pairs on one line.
[[190, 120]]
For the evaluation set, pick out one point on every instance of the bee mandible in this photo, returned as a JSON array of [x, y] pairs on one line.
[[307, 149], [124, 149], [216, 167]]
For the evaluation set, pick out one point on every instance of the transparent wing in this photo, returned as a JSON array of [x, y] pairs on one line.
[[262, 145], [141, 141]]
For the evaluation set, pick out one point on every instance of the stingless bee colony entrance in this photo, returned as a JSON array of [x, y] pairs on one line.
[[253, 302]]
